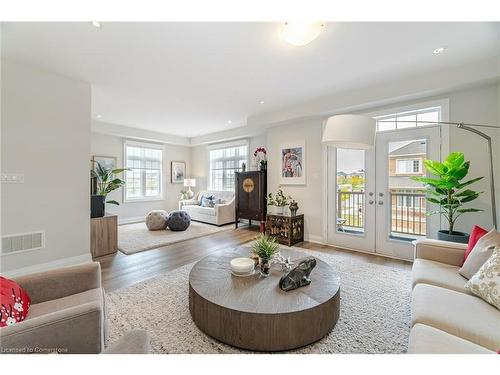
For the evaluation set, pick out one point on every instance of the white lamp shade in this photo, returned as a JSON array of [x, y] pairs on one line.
[[190, 182], [350, 131]]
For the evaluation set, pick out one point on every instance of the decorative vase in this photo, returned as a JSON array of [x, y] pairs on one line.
[[455, 236], [97, 205], [294, 207], [265, 267], [243, 167], [279, 210], [263, 166]]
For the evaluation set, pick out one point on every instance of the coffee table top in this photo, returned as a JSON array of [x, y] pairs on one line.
[[211, 278]]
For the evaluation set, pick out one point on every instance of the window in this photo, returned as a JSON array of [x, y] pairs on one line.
[[408, 119], [224, 161], [144, 179], [408, 166]]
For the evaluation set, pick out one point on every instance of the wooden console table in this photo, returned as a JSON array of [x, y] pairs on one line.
[[288, 230], [103, 235]]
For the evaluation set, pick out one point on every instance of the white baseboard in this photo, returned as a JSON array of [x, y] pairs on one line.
[[131, 220], [315, 239], [49, 265]]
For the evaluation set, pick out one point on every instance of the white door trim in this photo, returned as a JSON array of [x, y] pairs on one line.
[[445, 147]]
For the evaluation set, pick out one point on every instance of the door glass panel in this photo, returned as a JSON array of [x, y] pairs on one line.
[[350, 210], [408, 204]]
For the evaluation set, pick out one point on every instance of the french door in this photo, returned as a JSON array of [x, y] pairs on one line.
[[373, 204]]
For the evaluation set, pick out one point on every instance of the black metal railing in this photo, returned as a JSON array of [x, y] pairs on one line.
[[350, 208]]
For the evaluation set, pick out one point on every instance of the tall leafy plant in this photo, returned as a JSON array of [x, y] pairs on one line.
[[107, 180], [448, 190]]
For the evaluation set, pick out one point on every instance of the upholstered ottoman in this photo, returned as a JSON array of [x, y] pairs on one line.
[[157, 220], [178, 220]]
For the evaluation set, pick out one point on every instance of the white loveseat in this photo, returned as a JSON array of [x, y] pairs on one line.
[[222, 213], [447, 318]]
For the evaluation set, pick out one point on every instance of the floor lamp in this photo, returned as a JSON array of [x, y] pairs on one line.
[[356, 131]]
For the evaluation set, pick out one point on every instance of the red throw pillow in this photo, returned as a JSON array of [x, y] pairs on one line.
[[15, 302], [477, 233]]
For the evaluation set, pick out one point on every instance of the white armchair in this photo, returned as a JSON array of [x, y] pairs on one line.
[[222, 213]]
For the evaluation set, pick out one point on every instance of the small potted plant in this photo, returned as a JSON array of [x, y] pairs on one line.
[[106, 183], [265, 248], [450, 193], [280, 201]]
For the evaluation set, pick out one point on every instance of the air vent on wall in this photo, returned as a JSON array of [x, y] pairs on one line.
[[23, 242]]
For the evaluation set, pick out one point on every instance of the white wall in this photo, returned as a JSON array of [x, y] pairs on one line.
[[475, 105], [107, 145], [308, 196], [45, 136]]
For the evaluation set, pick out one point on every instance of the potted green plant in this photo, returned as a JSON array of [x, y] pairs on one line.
[[106, 183], [450, 193], [280, 201], [265, 248]]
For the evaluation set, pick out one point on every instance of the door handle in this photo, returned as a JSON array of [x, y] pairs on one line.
[[380, 203]]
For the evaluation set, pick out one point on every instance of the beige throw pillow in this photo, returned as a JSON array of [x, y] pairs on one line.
[[480, 253], [486, 282]]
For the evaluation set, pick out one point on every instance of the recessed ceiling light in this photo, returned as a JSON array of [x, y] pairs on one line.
[[229, 121], [98, 116], [301, 33], [96, 24], [261, 102], [439, 50]]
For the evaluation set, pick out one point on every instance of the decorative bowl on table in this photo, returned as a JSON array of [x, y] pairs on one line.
[[242, 266]]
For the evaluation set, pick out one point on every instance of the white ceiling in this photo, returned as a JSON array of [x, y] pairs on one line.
[[190, 79]]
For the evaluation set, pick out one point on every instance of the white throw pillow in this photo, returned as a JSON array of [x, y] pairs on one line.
[[486, 282], [480, 253]]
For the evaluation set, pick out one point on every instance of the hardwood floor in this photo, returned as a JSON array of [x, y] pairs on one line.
[[120, 270]]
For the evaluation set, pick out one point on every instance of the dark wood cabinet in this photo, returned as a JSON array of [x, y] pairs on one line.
[[251, 197], [288, 230]]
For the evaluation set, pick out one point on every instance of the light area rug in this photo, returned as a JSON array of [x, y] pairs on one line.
[[133, 238], [374, 311]]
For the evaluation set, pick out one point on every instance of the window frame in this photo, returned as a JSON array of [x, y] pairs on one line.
[[408, 160], [412, 112], [393, 109], [222, 146], [148, 145]]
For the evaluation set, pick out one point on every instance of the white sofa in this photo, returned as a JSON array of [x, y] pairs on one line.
[[222, 213], [445, 317]]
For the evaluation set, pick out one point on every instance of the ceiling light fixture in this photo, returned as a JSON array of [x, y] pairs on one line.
[[261, 102], [98, 116], [301, 33], [96, 24], [438, 50], [229, 122]]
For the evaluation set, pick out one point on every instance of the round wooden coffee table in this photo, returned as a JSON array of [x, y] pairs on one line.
[[253, 312]]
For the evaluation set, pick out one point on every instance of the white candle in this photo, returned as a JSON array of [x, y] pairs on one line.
[[242, 265]]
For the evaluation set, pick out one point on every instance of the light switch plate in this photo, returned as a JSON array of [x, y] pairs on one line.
[[12, 178]]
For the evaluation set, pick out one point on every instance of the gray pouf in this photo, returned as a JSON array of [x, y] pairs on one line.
[[157, 220], [178, 220]]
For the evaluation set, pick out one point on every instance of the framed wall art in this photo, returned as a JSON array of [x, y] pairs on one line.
[[293, 163], [178, 172]]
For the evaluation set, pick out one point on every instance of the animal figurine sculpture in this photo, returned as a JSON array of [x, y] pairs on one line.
[[299, 276]]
